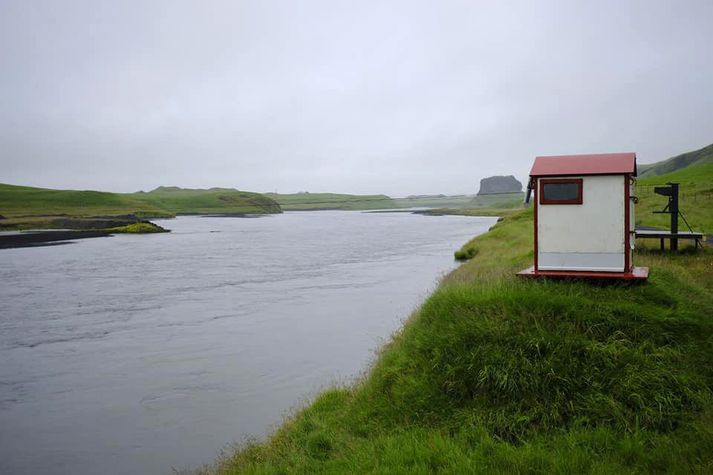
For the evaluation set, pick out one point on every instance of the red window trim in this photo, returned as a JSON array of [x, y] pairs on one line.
[[547, 181]]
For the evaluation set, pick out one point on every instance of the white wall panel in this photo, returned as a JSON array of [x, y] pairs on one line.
[[588, 231], [582, 261]]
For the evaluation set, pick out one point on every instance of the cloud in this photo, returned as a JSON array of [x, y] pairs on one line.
[[362, 97]]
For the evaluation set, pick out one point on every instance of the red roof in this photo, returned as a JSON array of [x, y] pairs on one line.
[[592, 164]]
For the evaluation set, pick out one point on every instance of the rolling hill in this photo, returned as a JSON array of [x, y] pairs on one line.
[[703, 156], [25, 207], [26, 201], [214, 200]]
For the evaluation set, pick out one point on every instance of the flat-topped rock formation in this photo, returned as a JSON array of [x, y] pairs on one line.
[[499, 184]]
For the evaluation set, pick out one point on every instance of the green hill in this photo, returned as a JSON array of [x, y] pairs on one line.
[[703, 156], [22, 201], [336, 201], [214, 200], [24, 207]]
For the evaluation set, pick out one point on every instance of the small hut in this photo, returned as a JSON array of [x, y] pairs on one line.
[[584, 216]]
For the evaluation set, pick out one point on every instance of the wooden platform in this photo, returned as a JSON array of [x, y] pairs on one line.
[[637, 274]]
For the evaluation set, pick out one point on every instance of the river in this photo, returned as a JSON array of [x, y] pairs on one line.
[[142, 353]]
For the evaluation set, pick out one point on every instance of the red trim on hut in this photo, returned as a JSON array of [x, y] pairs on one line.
[[561, 181]]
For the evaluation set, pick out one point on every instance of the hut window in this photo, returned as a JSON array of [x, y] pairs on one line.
[[561, 192]]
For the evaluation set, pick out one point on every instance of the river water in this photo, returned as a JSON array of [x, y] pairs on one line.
[[139, 354]]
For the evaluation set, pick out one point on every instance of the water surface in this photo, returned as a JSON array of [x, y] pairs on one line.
[[135, 354]]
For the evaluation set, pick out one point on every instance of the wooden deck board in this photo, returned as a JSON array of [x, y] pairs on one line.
[[637, 274]]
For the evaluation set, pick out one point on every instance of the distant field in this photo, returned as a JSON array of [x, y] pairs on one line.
[[497, 200], [319, 201], [436, 201]]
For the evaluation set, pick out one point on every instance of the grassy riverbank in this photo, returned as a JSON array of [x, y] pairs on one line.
[[499, 375], [495, 374]]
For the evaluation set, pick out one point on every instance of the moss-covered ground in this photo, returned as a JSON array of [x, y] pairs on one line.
[[142, 227]]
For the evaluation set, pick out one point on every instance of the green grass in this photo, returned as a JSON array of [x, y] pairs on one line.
[[465, 254], [139, 228], [24, 207], [326, 201], [701, 156], [695, 198], [499, 375], [213, 200], [25, 201]]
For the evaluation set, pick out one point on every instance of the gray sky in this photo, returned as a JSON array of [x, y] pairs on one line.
[[362, 97]]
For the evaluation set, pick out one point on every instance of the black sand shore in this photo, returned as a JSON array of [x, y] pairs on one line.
[[46, 238]]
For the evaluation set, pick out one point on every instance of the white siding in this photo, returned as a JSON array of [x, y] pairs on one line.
[[586, 237], [632, 224]]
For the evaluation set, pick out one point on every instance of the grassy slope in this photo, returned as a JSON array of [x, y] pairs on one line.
[[319, 201], [214, 200], [697, 157], [495, 374], [695, 197], [28, 201], [32, 204]]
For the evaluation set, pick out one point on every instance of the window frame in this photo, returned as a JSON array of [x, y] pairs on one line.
[[564, 181]]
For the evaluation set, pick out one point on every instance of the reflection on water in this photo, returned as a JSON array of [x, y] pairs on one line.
[[135, 354]]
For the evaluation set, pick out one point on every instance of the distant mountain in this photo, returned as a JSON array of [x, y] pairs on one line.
[[697, 157], [499, 184]]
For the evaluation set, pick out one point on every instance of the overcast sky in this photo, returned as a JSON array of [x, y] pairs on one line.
[[401, 97]]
